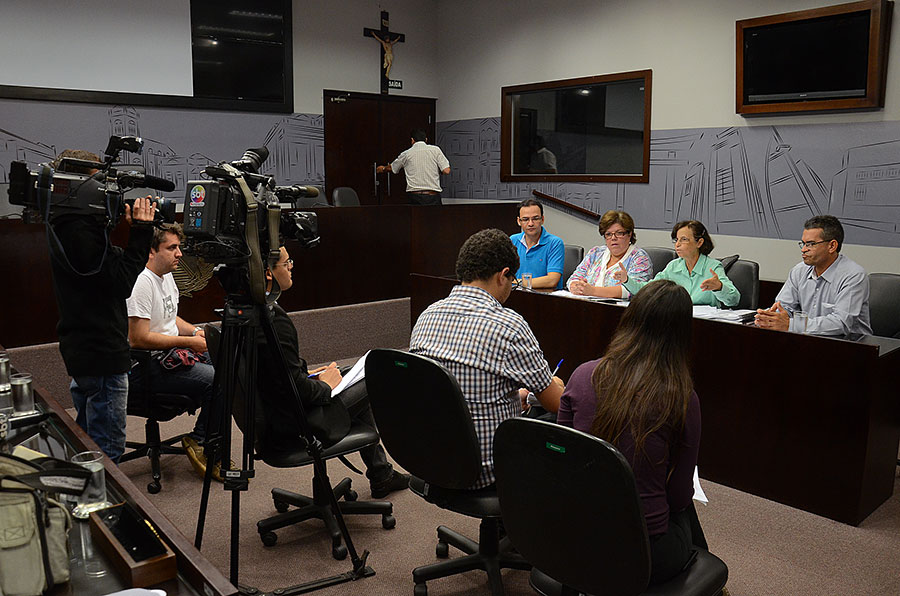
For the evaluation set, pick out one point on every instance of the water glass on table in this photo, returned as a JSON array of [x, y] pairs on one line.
[[22, 395], [94, 496], [526, 281], [801, 319], [4, 372]]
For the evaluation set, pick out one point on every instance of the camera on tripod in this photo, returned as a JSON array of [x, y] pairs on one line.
[[216, 212], [85, 187]]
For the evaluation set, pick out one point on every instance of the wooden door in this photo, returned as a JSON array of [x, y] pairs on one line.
[[399, 116], [352, 140], [364, 129]]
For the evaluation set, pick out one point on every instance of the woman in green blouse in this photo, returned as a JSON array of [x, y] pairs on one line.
[[698, 273]]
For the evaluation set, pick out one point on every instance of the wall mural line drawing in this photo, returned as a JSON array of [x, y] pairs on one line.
[[178, 144], [761, 181]]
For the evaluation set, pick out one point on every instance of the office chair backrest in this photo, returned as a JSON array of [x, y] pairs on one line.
[[574, 254], [745, 277], [660, 257], [884, 305], [571, 507], [344, 196], [422, 418]]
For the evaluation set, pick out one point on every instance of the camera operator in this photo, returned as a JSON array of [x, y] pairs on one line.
[[329, 417], [91, 280]]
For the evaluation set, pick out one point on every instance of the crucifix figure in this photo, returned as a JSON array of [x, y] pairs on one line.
[[387, 39]]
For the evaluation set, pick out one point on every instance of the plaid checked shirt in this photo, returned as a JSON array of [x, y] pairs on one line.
[[492, 353]]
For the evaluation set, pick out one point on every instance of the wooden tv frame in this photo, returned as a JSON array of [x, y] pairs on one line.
[[879, 42]]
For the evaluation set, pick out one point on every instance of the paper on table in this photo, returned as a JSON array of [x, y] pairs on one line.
[[355, 374], [699, 495], [703, 311], [568, 294]]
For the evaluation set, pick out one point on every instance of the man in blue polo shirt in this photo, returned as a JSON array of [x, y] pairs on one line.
[[540, 253]]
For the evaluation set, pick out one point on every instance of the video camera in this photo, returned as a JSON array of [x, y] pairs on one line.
[[84, 187], [216, 211]]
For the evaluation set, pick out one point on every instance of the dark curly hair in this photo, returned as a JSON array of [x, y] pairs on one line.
[[485, 253]]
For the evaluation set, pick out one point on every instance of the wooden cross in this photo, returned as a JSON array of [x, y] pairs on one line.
[[387, 39]]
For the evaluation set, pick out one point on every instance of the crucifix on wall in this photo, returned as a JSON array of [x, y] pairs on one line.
[[387, 39]]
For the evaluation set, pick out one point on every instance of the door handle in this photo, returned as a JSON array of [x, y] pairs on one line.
[[375, 177]]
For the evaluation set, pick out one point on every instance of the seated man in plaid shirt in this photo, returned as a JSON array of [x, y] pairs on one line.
[[489, 349]]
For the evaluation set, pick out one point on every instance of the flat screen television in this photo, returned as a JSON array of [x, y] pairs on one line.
[[831, 58]]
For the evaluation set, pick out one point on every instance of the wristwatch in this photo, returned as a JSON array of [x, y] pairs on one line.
[[196, 330]]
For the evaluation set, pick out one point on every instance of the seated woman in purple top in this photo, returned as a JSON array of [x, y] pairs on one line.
[[639, 396], [594, 275]]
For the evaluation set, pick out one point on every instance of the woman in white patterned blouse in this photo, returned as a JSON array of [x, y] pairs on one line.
[[594, 276]]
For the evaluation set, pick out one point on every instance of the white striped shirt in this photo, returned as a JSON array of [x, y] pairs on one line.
[[423, 164], [492, 353]]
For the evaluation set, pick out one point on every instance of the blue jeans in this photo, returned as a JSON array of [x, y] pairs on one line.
[[194, 381], [101, 404]]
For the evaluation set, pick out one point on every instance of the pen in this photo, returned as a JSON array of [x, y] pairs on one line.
[[558, 364], [315, 374]]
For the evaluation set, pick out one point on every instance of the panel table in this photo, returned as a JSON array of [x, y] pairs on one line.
[[807, 421]]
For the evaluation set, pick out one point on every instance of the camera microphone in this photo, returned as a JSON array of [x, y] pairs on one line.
[[136, 179], [296, 192]]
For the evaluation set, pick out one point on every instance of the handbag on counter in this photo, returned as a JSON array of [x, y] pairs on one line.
[[34, 526]]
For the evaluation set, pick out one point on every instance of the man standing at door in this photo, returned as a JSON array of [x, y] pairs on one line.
[[423, 165]]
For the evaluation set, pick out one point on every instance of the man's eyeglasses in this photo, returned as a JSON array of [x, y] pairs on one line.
[[619, 234], [288, 264], [536, 219], [811, 243]]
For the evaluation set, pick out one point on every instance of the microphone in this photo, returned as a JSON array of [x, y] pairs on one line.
[[136, 179], [296, 192]]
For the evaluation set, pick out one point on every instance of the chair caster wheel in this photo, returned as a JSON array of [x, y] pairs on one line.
[[153, 488], [388, 522], [442, 551], [420, 590], [281, 506], [351, 495], [269, 538], [339, 552]]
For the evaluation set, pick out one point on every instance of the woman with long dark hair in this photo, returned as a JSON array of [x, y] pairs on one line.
[[639, 396]]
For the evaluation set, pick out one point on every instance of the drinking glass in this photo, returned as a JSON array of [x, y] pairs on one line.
[[526, 281], [4, 371], [800, 321], [22, 395], [94, 496]]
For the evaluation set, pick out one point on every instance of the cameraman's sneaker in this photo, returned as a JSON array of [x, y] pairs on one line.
[[198, 460], [396, 481]]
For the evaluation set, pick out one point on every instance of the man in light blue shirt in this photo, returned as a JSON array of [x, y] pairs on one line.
[[831, 289], [540, 253]]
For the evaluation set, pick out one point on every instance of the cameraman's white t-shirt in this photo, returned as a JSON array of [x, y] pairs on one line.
[[155, 298]]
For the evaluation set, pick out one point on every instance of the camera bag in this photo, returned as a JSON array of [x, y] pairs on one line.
[[34, 526]]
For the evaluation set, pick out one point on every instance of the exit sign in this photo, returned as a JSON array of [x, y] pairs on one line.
[[392, 84]]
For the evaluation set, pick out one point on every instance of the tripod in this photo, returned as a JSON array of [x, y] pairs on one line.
[[236, 368]]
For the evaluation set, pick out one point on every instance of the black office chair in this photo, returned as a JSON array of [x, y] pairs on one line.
[[660, 257], [319, 505], [571, 508], [156, 407], [574, 254], [344, 196], [884, 306], [320, 200], [745, 277], [426, 427]]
